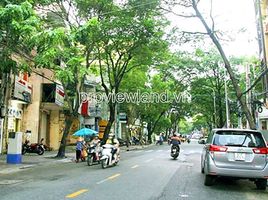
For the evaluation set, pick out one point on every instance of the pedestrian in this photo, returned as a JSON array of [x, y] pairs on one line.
[[79, 148]]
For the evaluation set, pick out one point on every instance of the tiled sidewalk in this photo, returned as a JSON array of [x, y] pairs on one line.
[[32, 160]]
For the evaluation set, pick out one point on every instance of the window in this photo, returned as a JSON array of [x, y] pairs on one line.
[[264, 125], [48, 93], [240, 139]]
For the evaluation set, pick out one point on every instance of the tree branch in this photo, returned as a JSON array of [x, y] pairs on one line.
[[101, 74], [211, 17], [256, 81], [197, 32], [179, 15]]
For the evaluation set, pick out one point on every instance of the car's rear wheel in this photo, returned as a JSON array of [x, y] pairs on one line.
[[209, 180], [261, 184]]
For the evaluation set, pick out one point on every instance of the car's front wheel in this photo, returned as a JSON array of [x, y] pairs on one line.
[[261, 184], [209, 180]]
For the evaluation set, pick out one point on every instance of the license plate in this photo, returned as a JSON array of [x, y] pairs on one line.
[[240, 156]]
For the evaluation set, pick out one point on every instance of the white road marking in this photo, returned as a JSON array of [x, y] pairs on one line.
[[149, 160], [109, 178], [184, 195], [148, 151], [139, 151], [160, 150], [135, 166]]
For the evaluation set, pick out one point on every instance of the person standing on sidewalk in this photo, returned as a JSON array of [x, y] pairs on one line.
[[79, 148]]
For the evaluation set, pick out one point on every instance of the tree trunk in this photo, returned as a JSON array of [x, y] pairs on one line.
[[156, 122], [110, 122], [228, 68], [149, 128], [68, 123], [6, 104]]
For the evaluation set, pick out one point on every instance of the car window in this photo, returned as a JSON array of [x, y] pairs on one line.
[[209, 139], [238, 138]]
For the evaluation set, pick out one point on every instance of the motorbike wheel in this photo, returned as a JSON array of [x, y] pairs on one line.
[[104, 163], [90, 160], [40, 151], [24, 150]]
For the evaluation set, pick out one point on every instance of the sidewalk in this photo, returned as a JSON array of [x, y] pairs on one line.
[[48, 158], [33, 160]]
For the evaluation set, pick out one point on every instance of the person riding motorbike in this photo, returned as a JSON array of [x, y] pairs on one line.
[[96, 143], [175, 140], [113, 141]]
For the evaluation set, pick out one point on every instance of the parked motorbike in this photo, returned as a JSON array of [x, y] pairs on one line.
[[135, 141], [107, 158], [175, 151], [33, 148], [93, 155]]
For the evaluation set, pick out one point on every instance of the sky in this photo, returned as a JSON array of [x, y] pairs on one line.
[[236, 18]]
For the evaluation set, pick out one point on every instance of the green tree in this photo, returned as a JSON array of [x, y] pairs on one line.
[[193, 7], [112, 40], [127, 38], [18, 23]]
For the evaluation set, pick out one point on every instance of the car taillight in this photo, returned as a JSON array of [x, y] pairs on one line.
[[260, 150], [214, 148]]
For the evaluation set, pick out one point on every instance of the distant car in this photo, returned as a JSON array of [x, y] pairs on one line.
[[238, 153], [196, 136]]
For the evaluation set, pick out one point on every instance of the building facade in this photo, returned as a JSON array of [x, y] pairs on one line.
[[36, 107]]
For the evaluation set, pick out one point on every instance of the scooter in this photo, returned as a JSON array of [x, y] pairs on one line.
[[175, 151], [93, 155], [107, 158], [33, 148]]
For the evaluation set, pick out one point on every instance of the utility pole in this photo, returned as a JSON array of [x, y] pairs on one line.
[[115, 121], [248, 95], [214, 104], [226, 102], [239, 115], [261, 41]]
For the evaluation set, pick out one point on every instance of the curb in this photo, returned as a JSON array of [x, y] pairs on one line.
[[48, 160]]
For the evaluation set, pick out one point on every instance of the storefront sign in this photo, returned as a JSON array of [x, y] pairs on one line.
[[15, 112], [59, 97], [22, 90], [10, 123]]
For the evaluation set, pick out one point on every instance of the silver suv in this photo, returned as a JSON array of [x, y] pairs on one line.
[[238, 153]]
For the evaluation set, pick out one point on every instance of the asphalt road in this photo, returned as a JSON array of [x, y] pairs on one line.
[[148, 174]]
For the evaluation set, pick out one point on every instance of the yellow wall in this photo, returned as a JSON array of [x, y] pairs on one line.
[[54, 138], [33, 111]]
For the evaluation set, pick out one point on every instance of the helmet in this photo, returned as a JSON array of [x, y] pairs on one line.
[[111, 135]]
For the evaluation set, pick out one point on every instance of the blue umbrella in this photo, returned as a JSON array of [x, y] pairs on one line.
[[85, 132]]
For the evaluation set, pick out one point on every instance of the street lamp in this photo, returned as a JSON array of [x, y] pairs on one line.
[[214, 101]]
